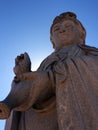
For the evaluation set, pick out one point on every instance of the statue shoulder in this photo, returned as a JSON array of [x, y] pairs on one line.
[[47, 61], [89, 49]]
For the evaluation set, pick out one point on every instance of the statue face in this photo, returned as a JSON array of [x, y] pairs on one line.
[[65, 33]]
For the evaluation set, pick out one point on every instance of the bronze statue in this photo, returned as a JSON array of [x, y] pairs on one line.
[[63, 93]]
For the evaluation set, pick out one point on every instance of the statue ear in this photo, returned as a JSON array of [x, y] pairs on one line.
[[82, 34], [82, 39], [82, 42], [51, 39]]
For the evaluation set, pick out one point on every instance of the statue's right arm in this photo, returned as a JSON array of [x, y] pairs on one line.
[[32, 87]]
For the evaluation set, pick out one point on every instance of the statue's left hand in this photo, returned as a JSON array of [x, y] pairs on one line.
[[22, 64], [21, 77], [26, 76]]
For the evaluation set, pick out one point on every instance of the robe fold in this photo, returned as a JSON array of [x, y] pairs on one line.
[[73, 74]]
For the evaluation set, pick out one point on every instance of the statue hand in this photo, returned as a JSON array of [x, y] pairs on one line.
[[25, 76], [19, 77], [22, 64]]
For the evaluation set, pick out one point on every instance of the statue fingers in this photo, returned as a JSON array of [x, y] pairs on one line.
[[19, 58], [26, 57], [19, 78]]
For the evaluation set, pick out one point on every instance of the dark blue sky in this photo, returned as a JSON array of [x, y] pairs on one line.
[[24, 27]]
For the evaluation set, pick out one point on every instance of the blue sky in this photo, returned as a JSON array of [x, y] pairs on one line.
[[24, 27]]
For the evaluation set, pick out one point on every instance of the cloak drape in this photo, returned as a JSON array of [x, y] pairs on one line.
[[74, 73]]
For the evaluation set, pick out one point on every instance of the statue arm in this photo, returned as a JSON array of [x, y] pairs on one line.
[[33, 87], [39, 83], [27, 89]]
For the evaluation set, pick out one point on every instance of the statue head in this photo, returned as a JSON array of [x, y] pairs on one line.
[[67, 19]]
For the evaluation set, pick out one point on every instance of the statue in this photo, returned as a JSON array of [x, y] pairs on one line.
[[63, 93]]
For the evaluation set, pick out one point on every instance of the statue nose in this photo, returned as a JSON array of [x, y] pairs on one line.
[[62, 29]]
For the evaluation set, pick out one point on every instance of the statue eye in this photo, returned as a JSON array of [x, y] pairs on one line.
[[56, 28], [67, 26]]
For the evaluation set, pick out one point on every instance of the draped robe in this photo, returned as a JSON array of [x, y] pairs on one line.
[[73, 73]]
